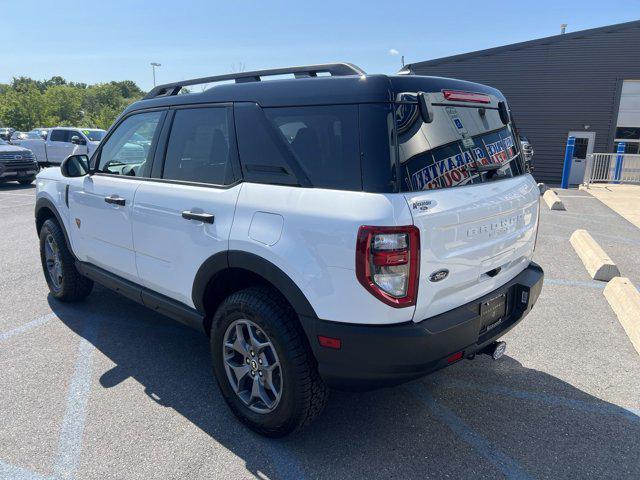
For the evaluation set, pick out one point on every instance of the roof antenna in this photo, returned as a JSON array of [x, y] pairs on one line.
[[563, 28]]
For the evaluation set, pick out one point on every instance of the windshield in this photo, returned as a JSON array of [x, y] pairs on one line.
[[461, 146], [94, 135]]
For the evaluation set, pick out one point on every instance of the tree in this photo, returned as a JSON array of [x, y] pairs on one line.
[[22, 110], [63, 105], [26, 103]]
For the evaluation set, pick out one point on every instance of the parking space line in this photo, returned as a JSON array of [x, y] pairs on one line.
[[27, 326], [19, 205], [70, 440], [575, 283], [19, 194], [284, 461], [490, 452], [631, 414], [18, 473]]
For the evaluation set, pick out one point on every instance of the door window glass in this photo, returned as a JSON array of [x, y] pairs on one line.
[[59, 136], [128, 150], [580, 148], [200, 146]]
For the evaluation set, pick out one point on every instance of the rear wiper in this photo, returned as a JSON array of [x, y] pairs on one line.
[[492, 167]]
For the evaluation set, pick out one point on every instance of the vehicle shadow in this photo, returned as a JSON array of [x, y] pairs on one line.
[[479, 419], [10, 186]]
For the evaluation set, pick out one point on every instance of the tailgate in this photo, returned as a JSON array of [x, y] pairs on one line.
[[473, 239]]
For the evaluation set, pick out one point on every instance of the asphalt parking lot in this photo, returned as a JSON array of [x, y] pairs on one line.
[[109, 389]]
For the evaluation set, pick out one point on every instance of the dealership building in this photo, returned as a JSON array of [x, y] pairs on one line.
[[584, 84]]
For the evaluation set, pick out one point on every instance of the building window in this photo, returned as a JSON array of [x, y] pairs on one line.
[[629, 146]]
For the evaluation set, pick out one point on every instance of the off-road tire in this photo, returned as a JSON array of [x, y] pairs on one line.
[[74, 286], [27, 181], [304, 395]]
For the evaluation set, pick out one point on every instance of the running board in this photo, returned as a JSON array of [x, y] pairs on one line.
[[144, 296]]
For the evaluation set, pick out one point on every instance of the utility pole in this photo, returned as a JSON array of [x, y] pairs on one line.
[[153, 66]]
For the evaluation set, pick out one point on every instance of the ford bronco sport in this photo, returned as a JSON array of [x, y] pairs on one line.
[[332, 229]]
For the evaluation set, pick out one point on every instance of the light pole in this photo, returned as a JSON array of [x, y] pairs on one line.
[[153, 66]]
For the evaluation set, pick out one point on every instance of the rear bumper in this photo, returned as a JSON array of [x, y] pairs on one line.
[[376, 356]]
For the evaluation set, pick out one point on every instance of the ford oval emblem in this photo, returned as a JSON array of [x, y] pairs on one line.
[[439, 275]]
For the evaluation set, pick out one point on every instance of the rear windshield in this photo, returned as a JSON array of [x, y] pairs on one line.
[[454, 148]]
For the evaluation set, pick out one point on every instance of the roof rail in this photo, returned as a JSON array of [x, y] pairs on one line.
[[335, 69]]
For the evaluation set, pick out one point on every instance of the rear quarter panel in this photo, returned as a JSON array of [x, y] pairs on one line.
[[310, 234]]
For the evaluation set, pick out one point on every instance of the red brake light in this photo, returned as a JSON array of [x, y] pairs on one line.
[[459, 96], [388, 263], [455, 357], [329, 342]]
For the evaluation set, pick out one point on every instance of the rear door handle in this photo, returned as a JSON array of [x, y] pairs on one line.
[[200, 217], [115, 200]]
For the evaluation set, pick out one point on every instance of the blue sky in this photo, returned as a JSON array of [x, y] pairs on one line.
[[115, 40]]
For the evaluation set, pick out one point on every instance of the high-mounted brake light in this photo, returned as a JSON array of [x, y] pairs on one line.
[[388, 263], [459, 96]]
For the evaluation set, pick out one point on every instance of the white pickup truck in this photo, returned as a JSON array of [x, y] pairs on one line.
[[62, 142]]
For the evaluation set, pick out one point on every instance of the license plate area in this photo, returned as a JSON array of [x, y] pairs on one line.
[[492, 312]]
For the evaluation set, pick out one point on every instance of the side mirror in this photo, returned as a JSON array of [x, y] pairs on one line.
[[75, 166], [76, 140]]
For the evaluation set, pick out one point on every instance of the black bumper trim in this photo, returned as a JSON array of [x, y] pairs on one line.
[[373, 356]]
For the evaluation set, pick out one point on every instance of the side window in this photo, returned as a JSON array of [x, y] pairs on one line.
[[325, 142], [75, 133], [59, 135], [128, 150], [201, 146], [264, 155]]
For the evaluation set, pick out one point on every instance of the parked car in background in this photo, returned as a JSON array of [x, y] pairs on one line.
[[42, 132], [5, 133], [17, 137], [17, 164], [62, 142], [527, 151]]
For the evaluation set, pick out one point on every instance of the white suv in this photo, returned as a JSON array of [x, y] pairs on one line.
[[342, 230]]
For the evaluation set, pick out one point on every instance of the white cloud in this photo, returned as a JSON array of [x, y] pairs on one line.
[[393, 51]]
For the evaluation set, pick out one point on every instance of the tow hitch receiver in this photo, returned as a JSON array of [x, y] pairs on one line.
[[495, 350]]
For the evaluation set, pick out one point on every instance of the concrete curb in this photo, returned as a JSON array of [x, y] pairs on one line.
[[552, 200], [624, 299], [595, 259]]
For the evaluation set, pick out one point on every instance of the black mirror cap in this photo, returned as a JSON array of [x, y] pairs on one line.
[[504, 112], [424, 105], [76, 140], [75, 166]]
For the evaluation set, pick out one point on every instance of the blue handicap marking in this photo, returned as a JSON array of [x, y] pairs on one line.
[[458, 123]]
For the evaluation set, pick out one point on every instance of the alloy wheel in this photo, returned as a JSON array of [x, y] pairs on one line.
[[252, 366]]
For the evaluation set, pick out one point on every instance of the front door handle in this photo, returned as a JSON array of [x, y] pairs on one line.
[[200, 217], [115, 200]]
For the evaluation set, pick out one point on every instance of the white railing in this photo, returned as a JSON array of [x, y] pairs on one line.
[[601, 167]]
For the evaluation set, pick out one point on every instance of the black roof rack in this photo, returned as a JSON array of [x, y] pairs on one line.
[[335, 69]]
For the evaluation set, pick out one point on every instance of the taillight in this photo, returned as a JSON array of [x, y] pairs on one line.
[[388, 263], [459, 96]]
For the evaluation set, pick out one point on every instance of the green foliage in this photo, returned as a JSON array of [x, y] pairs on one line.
[[26, 103]]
